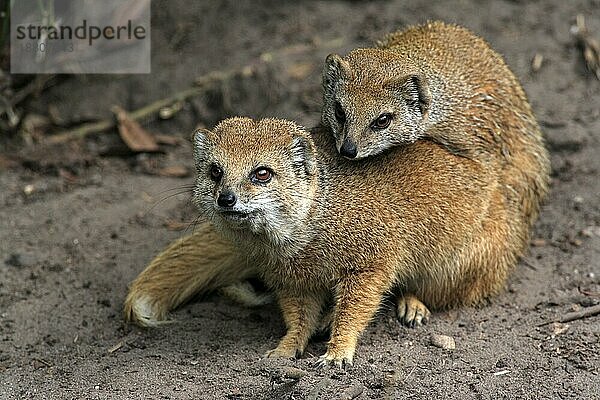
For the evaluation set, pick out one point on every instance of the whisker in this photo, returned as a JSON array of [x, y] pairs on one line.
[[193, 225], [185, 187], [188, 191]]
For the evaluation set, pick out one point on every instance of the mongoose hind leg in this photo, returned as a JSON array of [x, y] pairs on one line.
[[245, 294], [301, 313], [411, 311]]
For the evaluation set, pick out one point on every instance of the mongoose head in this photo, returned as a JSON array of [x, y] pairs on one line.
[[255, 176], [373, 99]]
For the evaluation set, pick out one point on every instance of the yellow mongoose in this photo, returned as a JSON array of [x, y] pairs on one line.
[[496, 129], [442, 83], [316, 226]]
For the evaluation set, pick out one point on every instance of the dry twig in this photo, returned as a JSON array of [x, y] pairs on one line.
[[201, 85], [132, 133], [588, 293], [583, 313], [115, 347], [105, 124], [572, 316], [9, 102]]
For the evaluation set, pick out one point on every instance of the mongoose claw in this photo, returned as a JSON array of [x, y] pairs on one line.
[[411, 312], [282, 353], [328, 359]]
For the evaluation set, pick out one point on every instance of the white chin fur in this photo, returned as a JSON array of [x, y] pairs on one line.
[[145, 315]]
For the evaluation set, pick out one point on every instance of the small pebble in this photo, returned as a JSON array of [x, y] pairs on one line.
[[28, 189], [538, 242], [293, 373], [558, 328], [576, 242], [537, 61], [443, 341]]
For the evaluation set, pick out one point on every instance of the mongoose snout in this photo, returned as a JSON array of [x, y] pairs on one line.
[[226, 199], [348, 149]]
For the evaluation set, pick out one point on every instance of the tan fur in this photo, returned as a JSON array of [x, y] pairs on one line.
[[476, 107], [436, 224], [192, 265], [471, 103]]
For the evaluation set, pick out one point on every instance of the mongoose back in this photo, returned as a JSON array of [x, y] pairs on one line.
[[443, 83], [317, 226]]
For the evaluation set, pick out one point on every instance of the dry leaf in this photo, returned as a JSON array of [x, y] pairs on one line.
[[132, 133], [168, 139]]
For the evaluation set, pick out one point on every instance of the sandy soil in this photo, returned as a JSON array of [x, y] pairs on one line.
[[95, 215]]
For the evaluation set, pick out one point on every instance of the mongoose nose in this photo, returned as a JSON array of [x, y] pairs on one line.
[[226, 199], [348, 149]]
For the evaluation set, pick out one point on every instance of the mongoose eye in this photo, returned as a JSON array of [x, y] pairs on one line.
[[382, 122], [261, 175], [340, 115], [216, 173]]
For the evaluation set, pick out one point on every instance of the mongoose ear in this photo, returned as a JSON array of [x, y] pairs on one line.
[[304, 157], [416, 92], [336, 68], [199, 131], [200, 141]]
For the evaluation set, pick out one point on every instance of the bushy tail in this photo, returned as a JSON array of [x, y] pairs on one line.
[[195, 264]]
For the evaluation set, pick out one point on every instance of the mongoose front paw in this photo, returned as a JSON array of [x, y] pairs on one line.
[[283, 352], [411, 312], [339, 359]]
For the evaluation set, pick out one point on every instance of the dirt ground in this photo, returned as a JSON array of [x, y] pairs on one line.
[[80, 220]]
